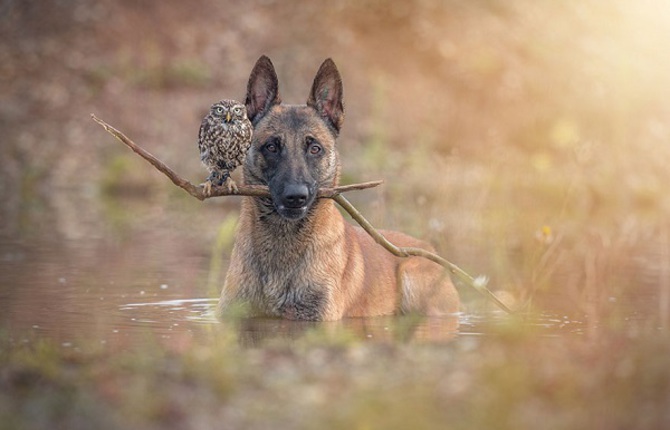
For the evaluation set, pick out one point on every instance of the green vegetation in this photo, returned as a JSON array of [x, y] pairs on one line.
[[517, 379], [175, 74]]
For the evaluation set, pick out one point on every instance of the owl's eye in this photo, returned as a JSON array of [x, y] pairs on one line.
[[238, 110], [218, 110]]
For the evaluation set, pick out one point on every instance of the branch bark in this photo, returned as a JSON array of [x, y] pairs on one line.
[[478, 283]]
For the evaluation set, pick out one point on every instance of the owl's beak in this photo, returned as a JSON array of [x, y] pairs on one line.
[[227, 116]]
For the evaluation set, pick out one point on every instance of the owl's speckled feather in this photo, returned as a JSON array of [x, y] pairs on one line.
[[224, 138]]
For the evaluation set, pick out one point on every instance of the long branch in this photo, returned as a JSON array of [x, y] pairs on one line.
[[478, 283], [198, 192]]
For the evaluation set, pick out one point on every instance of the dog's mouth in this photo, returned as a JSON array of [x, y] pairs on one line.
[[294, 214], [292, 202]]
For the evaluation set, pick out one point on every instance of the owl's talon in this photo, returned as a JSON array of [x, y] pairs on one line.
[[207, 188], [231, 185]]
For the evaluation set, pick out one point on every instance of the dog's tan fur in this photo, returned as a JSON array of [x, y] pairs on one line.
[[303, 261]]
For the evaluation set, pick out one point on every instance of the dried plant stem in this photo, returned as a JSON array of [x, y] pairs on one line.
[[478, 284]]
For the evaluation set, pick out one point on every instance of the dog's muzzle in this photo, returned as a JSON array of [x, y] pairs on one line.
[[294, 201]]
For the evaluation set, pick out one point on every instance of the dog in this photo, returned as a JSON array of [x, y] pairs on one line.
[[294, 256]]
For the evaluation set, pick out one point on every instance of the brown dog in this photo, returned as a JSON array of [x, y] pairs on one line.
[[294, 256]]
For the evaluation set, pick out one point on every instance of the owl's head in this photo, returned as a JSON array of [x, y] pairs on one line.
[[229, 110]]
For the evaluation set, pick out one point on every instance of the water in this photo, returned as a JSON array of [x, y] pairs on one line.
[[157, 271], [118, 292], [176, 318]]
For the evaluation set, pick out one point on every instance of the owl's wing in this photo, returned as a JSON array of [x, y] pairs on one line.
[[202, 140], [248, 131]]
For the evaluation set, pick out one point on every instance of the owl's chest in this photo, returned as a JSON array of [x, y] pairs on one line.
[[224, 135]]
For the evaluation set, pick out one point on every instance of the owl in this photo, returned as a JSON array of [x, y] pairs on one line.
[[224, 138]]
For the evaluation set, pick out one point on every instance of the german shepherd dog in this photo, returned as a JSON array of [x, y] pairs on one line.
[[294, 255]]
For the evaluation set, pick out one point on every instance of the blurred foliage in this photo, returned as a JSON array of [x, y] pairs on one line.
[[124, 173], [331, 380], [488, 120]]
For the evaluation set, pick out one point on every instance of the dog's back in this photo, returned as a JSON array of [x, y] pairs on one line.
[[294, 256]]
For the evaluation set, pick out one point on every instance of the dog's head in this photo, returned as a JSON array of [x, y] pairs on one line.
[[293, 148]]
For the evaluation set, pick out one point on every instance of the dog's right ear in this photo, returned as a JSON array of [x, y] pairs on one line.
[[262, 90]]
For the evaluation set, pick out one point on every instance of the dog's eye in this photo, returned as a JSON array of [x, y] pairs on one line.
[[313, 147], [272, 146]]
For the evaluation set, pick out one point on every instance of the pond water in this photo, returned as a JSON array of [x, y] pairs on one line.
[[160, 275], [72, 313], [80, 268]]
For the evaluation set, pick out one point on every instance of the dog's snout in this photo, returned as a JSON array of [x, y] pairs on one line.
[[295, 196]]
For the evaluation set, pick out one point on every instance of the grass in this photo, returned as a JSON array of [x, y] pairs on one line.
[[158, 71], [514, 378]]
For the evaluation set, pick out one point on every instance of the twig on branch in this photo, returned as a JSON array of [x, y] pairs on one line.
[[478, 283]]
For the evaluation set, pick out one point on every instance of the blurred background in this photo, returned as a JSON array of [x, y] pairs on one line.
[[529, 141]]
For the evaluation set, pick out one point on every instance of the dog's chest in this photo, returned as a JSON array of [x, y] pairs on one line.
[[285, 283]]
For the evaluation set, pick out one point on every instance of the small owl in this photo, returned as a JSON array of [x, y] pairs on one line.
[[224, 138]]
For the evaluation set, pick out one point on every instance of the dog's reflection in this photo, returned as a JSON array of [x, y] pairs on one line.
[[256, 332]]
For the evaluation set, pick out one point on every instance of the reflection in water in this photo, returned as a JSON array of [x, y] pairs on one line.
[[255, 332], [191, 310]]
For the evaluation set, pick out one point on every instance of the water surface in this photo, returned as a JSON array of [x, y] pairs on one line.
[[112, 291]]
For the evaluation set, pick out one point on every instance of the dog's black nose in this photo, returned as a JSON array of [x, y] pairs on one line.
[[295, 196]]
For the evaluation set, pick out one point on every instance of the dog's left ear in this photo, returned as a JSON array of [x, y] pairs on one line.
[[326, 95]]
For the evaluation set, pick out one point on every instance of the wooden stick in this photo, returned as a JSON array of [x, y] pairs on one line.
[[197, 191], [478, 283]]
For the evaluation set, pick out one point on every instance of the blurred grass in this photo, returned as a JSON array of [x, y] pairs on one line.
[[620, 380]]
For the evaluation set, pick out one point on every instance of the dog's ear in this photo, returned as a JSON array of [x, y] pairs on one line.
[[262, 89], [326, 95]]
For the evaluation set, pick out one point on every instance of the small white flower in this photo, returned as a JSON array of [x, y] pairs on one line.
[[481, 281]]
